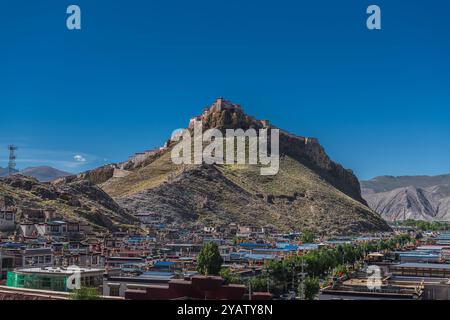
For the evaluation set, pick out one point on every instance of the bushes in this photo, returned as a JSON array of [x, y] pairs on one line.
[[85, 293], [307, 236], [427, 225], [312, 287], [317, 264], [229, 277]]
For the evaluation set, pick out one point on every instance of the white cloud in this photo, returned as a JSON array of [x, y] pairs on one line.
[[79, 158]]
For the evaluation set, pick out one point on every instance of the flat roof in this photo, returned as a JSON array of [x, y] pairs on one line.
[[57, 270], [164, 263], [424, 265], [253, 256], [432, 247], [157, 275], [418, 253]]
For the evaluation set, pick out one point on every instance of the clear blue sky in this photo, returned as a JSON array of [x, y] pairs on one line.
[[379, 101]]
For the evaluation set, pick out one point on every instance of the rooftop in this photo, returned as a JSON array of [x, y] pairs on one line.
[[424, 265], [58, 270]]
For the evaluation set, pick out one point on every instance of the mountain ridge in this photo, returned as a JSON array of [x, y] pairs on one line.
[[41, 173], [44, 173], [409, 197]]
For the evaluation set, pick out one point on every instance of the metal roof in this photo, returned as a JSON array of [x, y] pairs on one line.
[[424, 265]]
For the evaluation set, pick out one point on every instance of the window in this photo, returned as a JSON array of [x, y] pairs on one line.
[[46, 283], [114, 291], [29, 261]]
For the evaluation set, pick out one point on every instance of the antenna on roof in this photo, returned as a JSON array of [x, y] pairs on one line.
[[12, 159]]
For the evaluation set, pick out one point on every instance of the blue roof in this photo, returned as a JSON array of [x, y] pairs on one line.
[[13, 245], [163, 264], [287, 246], [309, 246], [238, 255], [130, 269], [269, 250], [418, 253], [339, 241], [253, 244]]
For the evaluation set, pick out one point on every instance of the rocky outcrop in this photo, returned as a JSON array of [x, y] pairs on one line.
[[309, 152], [95, 176]]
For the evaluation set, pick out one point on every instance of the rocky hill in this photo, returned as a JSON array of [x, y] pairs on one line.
[[409, 197], [310, 191], [76, 201]]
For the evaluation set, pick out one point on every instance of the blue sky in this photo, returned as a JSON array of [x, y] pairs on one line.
[[379, 101]]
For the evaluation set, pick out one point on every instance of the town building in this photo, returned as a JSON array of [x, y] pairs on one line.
[[54, 278], [7, 220], [196, 288]]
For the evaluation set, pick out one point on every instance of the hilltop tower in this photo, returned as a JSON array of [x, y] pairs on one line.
[[12, 159]]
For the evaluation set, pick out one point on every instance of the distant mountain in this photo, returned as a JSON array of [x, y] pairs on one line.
[[4, 172], [44, 173], [409, 197], [309, 192]]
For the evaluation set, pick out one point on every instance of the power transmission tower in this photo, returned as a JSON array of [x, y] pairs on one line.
[[12, 159]]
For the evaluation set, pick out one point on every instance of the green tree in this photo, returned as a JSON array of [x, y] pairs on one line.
[[311, 287], [307, 236], [209, 261], [85, 293], [229, 277], [259, 283]]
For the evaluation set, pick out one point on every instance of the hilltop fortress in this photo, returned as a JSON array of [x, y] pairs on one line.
[[224, 105]]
